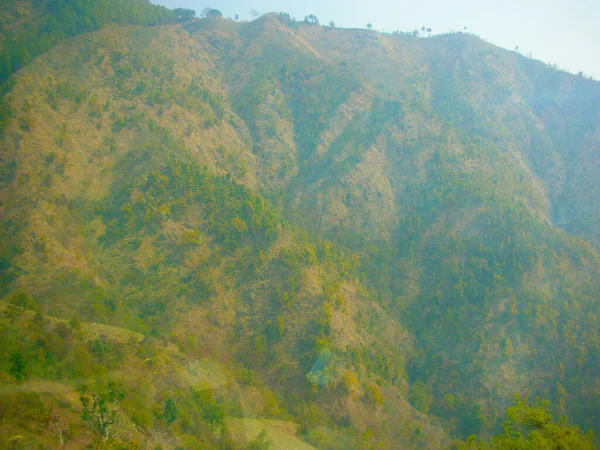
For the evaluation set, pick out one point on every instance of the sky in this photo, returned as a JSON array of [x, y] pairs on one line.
[[562, 32]]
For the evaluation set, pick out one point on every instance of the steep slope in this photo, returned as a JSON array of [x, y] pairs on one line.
[[129, 227], [377, 238]]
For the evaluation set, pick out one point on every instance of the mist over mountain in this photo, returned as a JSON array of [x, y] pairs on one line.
[[276, 234]]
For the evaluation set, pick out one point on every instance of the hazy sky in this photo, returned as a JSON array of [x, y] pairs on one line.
[[565, 32]]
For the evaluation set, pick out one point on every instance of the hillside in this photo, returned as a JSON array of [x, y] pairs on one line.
[[347, 239]]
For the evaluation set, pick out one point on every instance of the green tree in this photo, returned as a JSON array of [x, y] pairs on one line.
[[182, 14], [5, 66], [260, 442], [75, 324], [210, 411], [532, 427], [311, 18], [17, 365], [170, 412], [472, 422], [101, 408], [373, 394], [420, 396]]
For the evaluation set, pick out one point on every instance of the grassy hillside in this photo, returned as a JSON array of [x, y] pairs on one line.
[[342, 238]]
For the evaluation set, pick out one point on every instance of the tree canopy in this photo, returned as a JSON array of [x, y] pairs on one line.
[[531, 426], [311, 18]]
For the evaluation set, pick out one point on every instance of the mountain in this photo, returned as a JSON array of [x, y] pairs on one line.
[[342, 238]]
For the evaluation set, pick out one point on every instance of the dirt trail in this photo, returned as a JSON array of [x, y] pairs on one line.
[[307, 45]]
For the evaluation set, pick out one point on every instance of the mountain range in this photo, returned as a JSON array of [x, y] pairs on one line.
[[274, 234]]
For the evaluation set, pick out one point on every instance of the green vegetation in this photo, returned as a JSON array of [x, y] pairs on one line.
[[531, 427], [59, 19], [278, 235]]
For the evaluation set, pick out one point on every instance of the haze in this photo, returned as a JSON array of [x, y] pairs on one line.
[[270, 234], [562, 32]]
